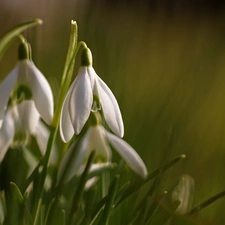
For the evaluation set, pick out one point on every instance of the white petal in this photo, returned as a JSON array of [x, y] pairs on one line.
[[73, 159], [90, 182], [65, 126], [110, 106], [81, 99], [5, 90], [42, 135], [28, 116], [31, 160], [98, 142], [42, 93], [128, 154], [6, 134]]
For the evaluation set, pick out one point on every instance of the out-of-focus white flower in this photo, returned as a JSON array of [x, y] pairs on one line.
[[183, 194], [19, 121], [7, 132], [88, 92], [98, 139], [26, 74]]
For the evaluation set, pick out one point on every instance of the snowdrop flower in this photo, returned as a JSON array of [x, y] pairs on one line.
[[88, 92], [98, 139], [19, 122], [30, 81]]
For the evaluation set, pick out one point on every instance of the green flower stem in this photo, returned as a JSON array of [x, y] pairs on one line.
[[71, 54], [67, 72], [22, 38], [89, 205], [80, 189], [44, 165], [66, 78], [66, 83], [71, 47], [12, 34], [110, 199]]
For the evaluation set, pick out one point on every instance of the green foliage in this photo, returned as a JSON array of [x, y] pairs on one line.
[[108, 195]]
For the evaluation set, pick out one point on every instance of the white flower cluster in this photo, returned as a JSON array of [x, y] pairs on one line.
[[87, 94]]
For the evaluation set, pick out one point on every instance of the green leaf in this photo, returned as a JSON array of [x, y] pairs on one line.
[[2, 207], [68, 70], [16, 192], [12, 34], [166, 217], [132, 188], [110, 200], [206, 203], [80, 189]]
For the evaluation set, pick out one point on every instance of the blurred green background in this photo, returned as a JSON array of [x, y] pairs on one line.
[[165, 63]]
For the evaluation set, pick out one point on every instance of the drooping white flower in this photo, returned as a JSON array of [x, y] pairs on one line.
[[26, 74], [88, 92], [98, 139], [22, 119]]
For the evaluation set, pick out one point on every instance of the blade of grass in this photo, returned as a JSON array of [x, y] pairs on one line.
[[80, 189], [110, 199], [206, 203], [134, 187]]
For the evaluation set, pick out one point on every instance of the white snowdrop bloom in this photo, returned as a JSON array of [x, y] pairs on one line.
[[98, 139], [26, 75], [21, 121], [88, 92]]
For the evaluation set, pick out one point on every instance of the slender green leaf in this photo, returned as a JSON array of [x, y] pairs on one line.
[[80, 189], [134, 187], [16, 192], [110, 200], [206, 203]]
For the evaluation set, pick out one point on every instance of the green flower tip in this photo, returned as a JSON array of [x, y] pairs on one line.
[[86, 57], [23, 51], [183, 156], [95, 119], [23, 92]]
